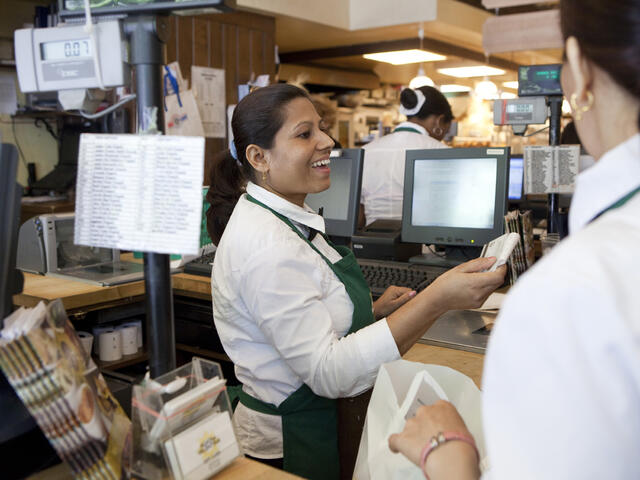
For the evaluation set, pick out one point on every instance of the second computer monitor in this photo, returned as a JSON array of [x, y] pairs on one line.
[[341, 201], [516, 177], [454, 196]]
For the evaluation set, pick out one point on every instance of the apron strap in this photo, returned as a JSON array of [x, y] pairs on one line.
[[293, 227], [407, 129], [620, 202]]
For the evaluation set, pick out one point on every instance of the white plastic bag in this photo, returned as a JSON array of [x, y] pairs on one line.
[[394, 396]]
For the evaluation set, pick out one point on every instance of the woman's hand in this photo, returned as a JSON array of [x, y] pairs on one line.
[[453, 459], [467, 286], [392, 298]]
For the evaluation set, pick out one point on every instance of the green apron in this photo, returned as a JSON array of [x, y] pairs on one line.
[[618, 204], [309, 422]]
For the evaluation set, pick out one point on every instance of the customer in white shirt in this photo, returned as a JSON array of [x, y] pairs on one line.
[[294, 312], [562, 373], [428, 120]]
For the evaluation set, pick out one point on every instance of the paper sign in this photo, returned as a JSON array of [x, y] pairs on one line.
[[140, 192], [203, 449], [208, 87], [551, 169]]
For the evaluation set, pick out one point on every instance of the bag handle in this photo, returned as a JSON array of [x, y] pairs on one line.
[[174, 84]]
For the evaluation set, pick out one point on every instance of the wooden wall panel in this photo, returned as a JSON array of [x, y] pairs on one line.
[[216, 44], [231, 59], [201, 49], [184, 50], [256, 49], [243, 38], [241, 43]]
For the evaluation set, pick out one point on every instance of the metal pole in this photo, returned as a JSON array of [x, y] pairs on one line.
[[147, 34], [553, 219]]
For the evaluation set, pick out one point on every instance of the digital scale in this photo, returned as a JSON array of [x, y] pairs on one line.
[[536, 83], [65, 57]]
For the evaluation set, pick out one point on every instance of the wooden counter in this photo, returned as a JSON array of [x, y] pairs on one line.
[[241, 469], [75, 295], [469, 363], [79, 295]]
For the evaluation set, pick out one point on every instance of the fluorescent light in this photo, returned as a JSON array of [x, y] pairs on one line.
[[467, 72], [508, 95], [402, 57], [453, 88], [513, 84]]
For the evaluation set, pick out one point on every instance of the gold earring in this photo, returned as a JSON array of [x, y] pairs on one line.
[[578, 111], [264, 176]]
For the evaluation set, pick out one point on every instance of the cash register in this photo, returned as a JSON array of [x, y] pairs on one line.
[[46, 247]]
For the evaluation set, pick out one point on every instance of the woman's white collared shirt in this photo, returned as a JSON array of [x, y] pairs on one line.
[[562, 372], [383, 173], [282, 315]]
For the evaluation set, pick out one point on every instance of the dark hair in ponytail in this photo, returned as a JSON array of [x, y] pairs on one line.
[[256, 120], [609, 36], [435, 103]]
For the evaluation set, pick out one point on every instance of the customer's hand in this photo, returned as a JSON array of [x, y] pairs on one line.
[[453, 459], [392, 298], [467, 286]]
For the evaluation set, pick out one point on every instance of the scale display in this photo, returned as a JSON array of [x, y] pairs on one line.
[[66, 49], [520, 108]]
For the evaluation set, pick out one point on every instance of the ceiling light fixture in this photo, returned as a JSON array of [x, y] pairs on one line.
[[453, 88], [486, 89], [403, 57], [468, 72], [513, 84], [421, 79]]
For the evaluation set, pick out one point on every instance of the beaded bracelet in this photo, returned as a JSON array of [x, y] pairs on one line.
[[438, 440]]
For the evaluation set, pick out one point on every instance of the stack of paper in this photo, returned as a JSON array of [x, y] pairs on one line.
[[522, 256], [57, 381]]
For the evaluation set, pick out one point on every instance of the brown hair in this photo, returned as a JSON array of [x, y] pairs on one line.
[[609, 36], [256, 120]]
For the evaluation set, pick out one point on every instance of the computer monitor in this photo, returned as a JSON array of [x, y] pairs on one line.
[[340, 202], [516, 177], [456, 198]]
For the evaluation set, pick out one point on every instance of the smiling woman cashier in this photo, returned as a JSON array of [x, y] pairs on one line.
[[294, 313]]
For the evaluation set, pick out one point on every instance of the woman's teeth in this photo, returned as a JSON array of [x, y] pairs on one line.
[[320, 163]]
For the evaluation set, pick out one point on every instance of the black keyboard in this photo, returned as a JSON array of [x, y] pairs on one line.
[[380, 274], [201, 265]]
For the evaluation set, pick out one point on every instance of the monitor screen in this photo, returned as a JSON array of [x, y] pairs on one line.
[[340, 202], [205, 239], [454, 196], [516, 177]]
